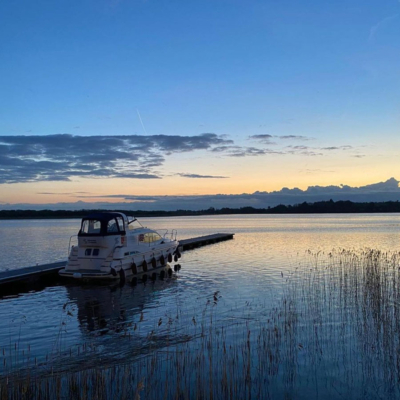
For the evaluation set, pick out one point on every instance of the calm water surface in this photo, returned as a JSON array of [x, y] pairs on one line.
[[74, 326]]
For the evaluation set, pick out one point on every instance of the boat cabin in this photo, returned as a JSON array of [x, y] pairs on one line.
[[103, 224]]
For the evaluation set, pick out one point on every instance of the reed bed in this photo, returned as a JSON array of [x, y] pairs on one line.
[[333, 333]]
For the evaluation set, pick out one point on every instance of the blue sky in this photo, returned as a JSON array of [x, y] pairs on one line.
[[303, 93]]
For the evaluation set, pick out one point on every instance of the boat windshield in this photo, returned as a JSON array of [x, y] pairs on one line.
[[135, 224], [149, 237]]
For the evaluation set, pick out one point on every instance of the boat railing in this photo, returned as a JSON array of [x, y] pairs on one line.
[[170, 234], [73, 240], [162, 232]]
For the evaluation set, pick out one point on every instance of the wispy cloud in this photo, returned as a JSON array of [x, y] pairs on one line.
[[262, 138], [303, 150], [299, 147], [315, 151], [238, 151], [266, 138], [196, 176], [337, 148], [248, 151], [381, 24], [62, 193], [295, 137]]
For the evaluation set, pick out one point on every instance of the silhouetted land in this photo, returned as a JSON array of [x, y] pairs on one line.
[[320, 207]]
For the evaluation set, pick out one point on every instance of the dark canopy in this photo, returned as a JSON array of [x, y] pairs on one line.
[[103, 216], [106, 228]]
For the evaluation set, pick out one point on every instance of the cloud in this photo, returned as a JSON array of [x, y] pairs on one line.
[[221, 149], [63, 156], [62, 193], [127, 197], [299, 147], [337, 148], [381, 191], [296, 137], [202, 176], [309, 153], [248, 151], [303, 150], [314, 151], [262, 138], [237, 151], [267, 138]]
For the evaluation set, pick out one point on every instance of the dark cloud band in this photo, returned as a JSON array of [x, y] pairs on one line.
[[63, 156]]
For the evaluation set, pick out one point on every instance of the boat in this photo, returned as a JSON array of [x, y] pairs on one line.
[[111, 245]]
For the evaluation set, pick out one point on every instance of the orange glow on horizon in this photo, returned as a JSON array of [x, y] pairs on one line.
[[97, 190]]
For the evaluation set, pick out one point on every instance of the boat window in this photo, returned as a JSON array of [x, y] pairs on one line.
[[149, 237], [91, 226], [112, 226], [156, 237], [121, 224], [88, 252], [95, 252]]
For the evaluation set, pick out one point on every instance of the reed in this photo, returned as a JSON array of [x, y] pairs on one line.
[[334, 333]]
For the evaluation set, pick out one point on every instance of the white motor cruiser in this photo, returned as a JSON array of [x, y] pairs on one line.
[[112, 246]]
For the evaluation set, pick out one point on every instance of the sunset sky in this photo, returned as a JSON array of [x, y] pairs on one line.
[[103, 99]]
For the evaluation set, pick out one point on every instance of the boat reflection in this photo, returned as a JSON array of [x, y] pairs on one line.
[[105, 310], [116, 323]]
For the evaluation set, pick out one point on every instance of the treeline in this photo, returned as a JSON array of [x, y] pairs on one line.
[[320, 207]]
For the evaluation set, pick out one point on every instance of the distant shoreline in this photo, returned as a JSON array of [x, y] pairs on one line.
[[321, 207]]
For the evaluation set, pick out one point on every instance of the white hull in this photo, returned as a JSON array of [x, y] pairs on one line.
[[127, 267]]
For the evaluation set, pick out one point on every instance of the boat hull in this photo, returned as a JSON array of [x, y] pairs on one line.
[[129, 266]]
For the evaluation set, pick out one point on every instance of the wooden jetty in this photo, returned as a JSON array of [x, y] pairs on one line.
[[188, 244], [40, 274]]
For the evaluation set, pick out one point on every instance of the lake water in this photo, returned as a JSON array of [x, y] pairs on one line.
[[291, 330]]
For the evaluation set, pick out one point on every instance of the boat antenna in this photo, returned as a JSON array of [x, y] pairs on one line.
[[140, 119]]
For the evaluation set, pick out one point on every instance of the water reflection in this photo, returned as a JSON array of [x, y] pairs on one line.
[[112, 309]]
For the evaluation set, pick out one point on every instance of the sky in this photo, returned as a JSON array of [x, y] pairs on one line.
[[119, 100]]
